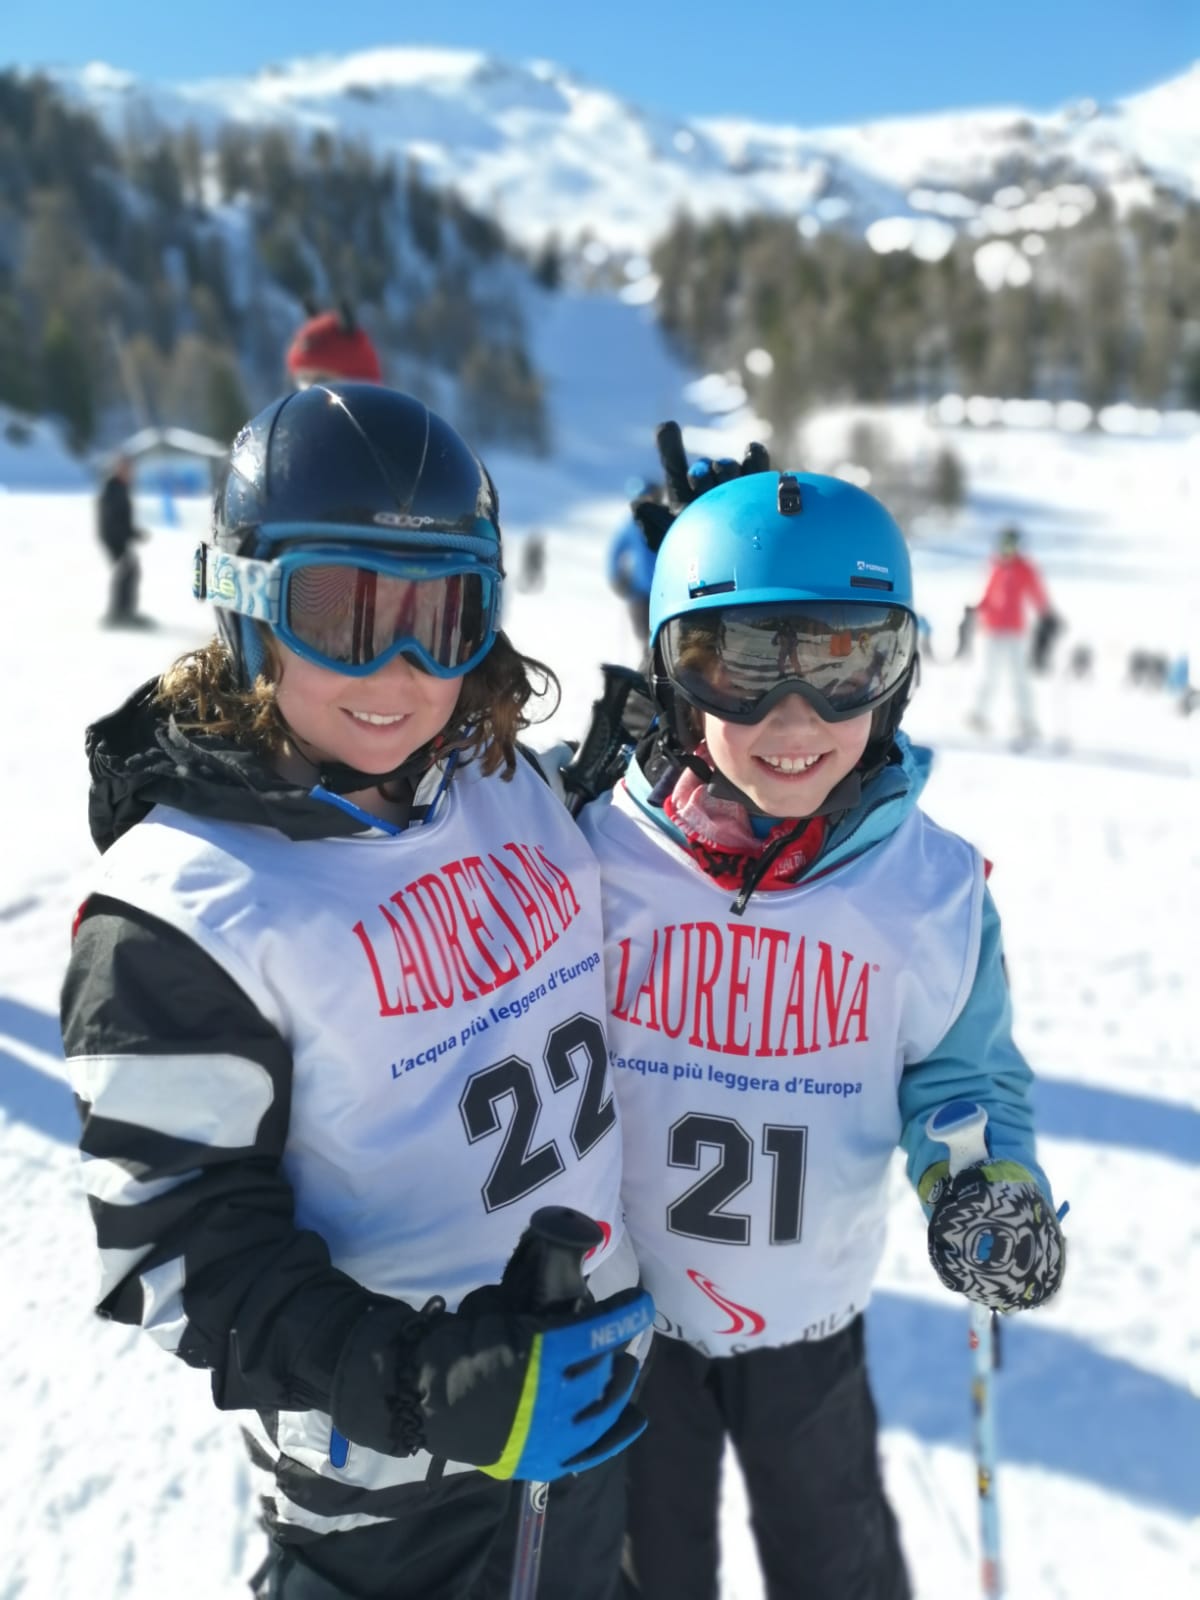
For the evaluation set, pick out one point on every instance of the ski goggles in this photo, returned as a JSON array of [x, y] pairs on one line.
[[738, 661], [353, 610]]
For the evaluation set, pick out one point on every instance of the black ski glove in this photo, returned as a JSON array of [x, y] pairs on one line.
[[686, 483], [517, 1394]]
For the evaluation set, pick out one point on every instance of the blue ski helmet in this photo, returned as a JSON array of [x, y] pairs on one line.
[[774, 537], [347, 464], [795, 544]]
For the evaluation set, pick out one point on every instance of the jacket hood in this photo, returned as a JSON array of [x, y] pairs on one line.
[[885, 802], [139, 757]]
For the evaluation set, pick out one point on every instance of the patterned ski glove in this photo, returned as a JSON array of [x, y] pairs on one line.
[[993, 1235], [686, 483]]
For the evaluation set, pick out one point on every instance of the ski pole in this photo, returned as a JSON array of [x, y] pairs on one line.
[[960, 1127], [599, 761], [563, 1238]]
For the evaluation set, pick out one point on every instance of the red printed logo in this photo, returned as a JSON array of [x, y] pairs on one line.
[[606, 1230], [741, 1318]]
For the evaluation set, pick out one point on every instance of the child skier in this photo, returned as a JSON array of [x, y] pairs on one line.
[[801, 968], [334, 1014]]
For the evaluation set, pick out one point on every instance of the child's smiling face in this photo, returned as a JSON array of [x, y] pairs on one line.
[[373, 723], [787, 763]]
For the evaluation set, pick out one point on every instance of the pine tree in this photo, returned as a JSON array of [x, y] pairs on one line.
[[68, 384], [20, 385]]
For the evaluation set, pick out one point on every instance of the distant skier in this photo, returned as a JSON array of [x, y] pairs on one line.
[[1080, 662], [119, 536], [630, 574], [1014, 587], [329, 347], [966, 634], [531, 575]]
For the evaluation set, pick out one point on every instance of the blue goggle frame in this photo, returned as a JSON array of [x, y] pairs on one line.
[[259, 590]]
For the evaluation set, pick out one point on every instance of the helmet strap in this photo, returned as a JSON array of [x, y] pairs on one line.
[[881, 746], [255, 659], [339, 778]]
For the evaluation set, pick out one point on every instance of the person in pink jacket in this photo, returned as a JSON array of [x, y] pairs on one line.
[[1014, 589]]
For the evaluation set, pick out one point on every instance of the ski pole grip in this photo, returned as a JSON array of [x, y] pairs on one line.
[[668, 436], [960, 1126], [563, 1239], [590, 770]]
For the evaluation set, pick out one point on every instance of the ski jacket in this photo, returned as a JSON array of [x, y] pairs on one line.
[[322, 1062], [630, 562], [1013, 587], [767, 1064], [115, 513]]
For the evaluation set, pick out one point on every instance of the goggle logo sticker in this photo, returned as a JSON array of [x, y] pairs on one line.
[[408, 520], [249, 587]]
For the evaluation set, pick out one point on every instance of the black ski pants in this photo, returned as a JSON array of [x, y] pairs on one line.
[[123, 586], [803, 1424], [457, 1543]]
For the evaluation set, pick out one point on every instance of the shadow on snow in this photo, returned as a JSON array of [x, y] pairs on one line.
[[1067, 1110], [1061, 1404], [39, 1099]]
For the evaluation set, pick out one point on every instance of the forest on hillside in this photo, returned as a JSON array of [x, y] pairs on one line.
[[1109, 311], [152, 280]]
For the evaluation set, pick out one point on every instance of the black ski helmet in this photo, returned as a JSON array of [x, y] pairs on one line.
[[342, 463]]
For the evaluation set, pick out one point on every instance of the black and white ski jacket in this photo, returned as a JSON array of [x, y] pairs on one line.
[[319, 1062]]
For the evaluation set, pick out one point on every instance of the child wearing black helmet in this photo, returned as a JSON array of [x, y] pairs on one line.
[[334, 1016], [802, 969]]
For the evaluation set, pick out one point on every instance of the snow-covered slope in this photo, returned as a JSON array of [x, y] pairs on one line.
[[547, 153], [119, 1480]]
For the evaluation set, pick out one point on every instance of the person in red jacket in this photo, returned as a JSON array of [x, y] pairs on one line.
[[331, 346], [1014, 589]]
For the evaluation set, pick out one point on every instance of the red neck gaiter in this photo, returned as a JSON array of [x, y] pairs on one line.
[[720, 838]]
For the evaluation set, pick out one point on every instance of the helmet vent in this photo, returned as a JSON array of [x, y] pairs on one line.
[[789, 495], [726, 586], [859, 582]]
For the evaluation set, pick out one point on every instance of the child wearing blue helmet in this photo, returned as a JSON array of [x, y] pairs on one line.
[[334, 1020], [802, 967]]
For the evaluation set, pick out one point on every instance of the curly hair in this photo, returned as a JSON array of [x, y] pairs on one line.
[[201, 692]]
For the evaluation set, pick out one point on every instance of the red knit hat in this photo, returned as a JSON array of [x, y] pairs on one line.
[[333, 346]]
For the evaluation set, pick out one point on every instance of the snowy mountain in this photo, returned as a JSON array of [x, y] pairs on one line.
[[545, 152]]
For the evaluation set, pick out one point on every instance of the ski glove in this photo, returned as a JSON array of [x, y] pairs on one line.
[[517, 1394], [993, 1235], [685, 484]]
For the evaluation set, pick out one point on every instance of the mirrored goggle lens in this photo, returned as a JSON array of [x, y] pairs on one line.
[[351, 616], [728, 660]]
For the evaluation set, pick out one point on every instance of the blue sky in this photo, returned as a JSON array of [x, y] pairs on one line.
[[781, 60]]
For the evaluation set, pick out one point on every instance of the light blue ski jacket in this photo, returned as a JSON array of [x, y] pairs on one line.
[[977, 1058]]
